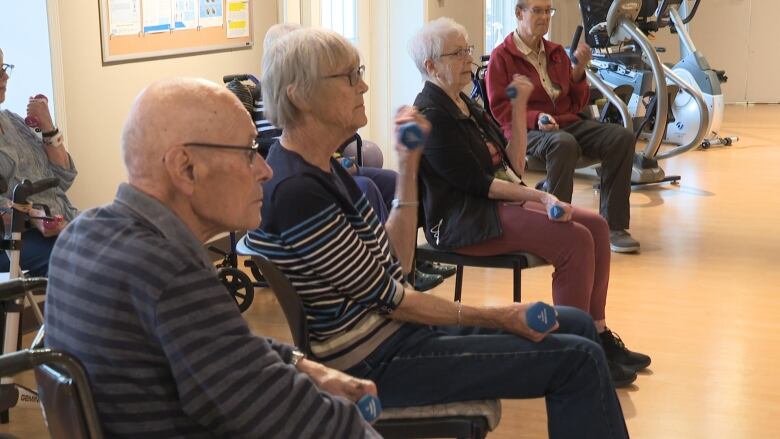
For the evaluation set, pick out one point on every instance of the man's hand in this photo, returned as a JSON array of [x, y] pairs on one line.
[[38, 108], [583, 55], [551, 125], [336, 382], [512, 319]]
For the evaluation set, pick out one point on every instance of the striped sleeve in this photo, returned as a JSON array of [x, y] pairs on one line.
[[317, 232], [236, 384]]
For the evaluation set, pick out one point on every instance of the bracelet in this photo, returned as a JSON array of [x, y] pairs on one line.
[[56, 141], [51, 133], [460, 311], [398, 203]]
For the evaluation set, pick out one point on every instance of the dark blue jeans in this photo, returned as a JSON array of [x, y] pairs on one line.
[[36, 250], [428, 365]]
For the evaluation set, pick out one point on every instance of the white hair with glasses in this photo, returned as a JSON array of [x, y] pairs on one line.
[[295, 64], [428, 42]]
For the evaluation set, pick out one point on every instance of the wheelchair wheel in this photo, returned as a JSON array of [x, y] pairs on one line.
[[239, 285]]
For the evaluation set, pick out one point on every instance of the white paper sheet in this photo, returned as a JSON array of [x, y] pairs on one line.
[[237, 18], [210, 13], [157, 15], [124, 17], [185, 14]]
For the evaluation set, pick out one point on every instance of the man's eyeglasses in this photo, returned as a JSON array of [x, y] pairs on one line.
[[463, 52], [7, 68], [250, 151], [353, 76], [540, 11]]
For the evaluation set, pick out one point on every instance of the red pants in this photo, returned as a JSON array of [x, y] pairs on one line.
[[579, 251]]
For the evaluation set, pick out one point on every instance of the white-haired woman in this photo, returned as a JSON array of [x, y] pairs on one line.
[[348, 268], [475, 202]]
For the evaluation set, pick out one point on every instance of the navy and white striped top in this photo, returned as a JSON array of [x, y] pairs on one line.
[[134, 296], [320, 230]]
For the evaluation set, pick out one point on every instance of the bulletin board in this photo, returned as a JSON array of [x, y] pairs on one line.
[[144, 29]]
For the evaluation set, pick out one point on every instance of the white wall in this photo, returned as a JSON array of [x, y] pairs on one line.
[[98, 97]]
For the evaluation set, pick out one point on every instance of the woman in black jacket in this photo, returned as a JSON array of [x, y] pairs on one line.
[[475, 202]]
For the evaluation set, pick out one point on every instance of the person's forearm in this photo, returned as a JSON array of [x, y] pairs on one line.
[[506, 191], [428, 309], [518, 144], [58, 155], [578, 73], [401, 224]]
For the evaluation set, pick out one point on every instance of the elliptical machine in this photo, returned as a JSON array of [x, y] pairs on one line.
[[611, 24]]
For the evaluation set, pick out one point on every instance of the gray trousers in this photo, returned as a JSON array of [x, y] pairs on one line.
[[610, 143]]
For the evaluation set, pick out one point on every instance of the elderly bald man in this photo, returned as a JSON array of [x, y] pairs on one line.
[[135, 297]]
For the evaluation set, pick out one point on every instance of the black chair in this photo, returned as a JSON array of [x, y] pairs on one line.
[[473, 419], [63, 387]]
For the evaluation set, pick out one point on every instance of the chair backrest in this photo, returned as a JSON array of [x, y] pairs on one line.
[[289, 300], [61, 403]]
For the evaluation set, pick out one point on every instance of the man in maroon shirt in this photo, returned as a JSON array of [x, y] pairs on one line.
[[557, 134]]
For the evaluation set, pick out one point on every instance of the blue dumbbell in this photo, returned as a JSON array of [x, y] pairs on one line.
[[369, 407], [511, 91], [540, 317], [346, 162], [556, 212], [545, 120], [411, 135]]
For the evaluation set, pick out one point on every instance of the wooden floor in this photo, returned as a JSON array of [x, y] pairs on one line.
[[702, 298]]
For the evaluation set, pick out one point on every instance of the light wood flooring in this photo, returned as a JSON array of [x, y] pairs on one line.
[[701, 298]]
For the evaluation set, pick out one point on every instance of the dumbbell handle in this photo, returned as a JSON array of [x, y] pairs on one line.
[[540, 317], [574, 43], [411, 135]]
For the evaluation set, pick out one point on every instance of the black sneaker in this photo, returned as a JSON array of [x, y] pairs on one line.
[[621, 375], [443, 270], [424, 281], [616, 351]]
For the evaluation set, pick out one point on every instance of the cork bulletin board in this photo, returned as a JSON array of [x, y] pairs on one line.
[[145, 29]]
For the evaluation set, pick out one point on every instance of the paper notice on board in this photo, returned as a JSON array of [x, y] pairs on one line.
[[157, 15], [185, 14], [124, 17], [237, 18], [210, 13]]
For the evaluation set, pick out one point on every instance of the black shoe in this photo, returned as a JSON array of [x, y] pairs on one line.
[[621, 375], [616, 351], [424, 281], [443, 270], [541, 186]]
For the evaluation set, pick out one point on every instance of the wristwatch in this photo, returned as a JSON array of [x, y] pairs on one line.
[[296, 357]]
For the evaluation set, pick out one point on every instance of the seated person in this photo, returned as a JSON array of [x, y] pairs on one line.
[[560, 92], [349, 269], [133, 294], [378, 184], [476, 204], [23, 155]]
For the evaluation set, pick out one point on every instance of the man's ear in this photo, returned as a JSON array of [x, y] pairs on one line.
[[518, 13], [181, 169], [296, 96]]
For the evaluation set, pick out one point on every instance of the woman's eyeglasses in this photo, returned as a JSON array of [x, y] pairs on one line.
[[463, 52], [7, 68], [354, 76]]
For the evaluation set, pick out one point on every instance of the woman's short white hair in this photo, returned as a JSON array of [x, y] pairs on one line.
[[276, 31], [295, 63], [428, 42]]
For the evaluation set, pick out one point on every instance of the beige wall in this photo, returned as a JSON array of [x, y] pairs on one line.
[[98, 98], [469, 13]]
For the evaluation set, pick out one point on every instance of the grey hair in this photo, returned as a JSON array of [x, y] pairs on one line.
[[295, 64], [521, 4], [276, 31], [428, 42]]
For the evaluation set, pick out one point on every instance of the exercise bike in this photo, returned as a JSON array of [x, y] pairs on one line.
[[664, 105]]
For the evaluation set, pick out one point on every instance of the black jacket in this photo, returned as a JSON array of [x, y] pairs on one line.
[[456, 172]]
